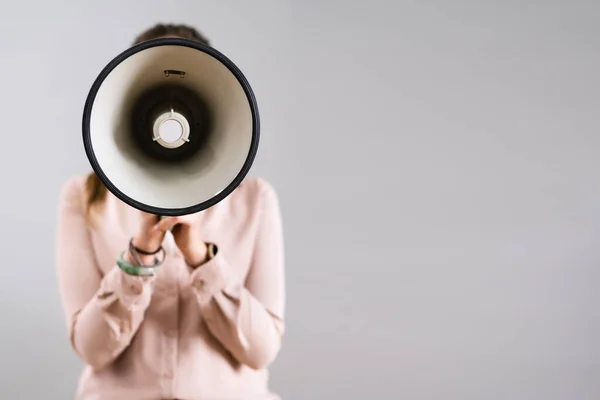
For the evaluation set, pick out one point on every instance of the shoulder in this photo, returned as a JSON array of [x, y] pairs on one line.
[[258, 190], [72, 191], [254, 195]]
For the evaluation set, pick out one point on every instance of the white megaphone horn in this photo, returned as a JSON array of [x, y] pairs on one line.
[[171, 126]]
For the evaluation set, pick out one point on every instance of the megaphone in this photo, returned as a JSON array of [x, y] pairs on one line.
[[171, 126]]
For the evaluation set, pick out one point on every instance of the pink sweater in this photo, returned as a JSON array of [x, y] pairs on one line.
[[204, 334]]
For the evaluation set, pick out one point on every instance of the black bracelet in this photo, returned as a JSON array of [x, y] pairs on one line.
[[157, 261], [140, 251]]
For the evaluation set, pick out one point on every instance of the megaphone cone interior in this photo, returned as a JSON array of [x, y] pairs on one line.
[[171, 126]]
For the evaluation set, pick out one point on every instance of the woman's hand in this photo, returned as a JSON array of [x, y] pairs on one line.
[[187, 237], [148, 239]]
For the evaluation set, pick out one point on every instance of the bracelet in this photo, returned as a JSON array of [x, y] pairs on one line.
[[135, 270], [140, 251], [135, 254], [212, 250]]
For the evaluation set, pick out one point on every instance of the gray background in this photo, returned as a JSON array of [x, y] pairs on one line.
[[437, 163]]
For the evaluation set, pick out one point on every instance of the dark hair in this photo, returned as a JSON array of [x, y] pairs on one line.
[[180, 30], [95, 191]]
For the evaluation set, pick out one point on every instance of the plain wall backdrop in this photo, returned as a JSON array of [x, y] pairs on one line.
[[437, 164]]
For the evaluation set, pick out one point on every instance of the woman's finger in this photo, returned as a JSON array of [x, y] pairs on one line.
[[166, 223]]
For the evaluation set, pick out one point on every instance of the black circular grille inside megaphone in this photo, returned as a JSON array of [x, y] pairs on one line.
[[163, 100]]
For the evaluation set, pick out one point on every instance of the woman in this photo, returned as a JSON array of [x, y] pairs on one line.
[[205, 324]]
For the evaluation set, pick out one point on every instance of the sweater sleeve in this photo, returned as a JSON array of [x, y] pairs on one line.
[[248, 317], [103, 312]]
